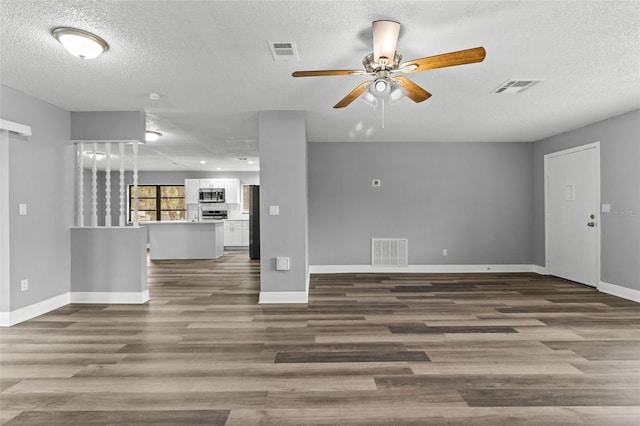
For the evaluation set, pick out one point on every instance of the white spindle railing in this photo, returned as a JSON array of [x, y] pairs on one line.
[[94, 186], [107, 185], [135, 183], [123, 219], [80, 187]]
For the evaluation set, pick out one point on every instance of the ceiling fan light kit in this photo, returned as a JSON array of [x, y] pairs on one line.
[[384, 61]]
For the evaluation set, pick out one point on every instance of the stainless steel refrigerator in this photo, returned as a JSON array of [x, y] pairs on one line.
[[254, 221]]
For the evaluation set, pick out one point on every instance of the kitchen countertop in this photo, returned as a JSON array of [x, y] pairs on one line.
[[184, 222]]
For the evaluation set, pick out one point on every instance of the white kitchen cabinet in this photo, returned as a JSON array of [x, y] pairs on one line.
[[245, 233], [231, 188], [212, 183], [233, 233], [232, 191], [191, 187]]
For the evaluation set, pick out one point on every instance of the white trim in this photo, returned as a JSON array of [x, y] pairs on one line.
[[8, 319], [283, 297], [619, 291], [593, 145], [110, 297], [341, 269], [5, 252], [541, 270], [21, 129]]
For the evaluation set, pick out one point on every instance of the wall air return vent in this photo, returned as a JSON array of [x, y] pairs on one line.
[[389, 252], [283, 51], [516, 86]]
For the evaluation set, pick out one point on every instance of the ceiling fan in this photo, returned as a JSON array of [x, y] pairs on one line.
[[384, 62]]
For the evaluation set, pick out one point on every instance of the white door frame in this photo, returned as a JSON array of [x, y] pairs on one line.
[[595, 145]]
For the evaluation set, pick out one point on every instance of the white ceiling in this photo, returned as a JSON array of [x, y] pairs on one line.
[[211, 63]]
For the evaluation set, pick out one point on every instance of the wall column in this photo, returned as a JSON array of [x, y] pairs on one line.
[[283, 184]]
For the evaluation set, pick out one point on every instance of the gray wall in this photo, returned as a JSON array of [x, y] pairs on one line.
[[108, 260], [108, 125], [283, 182], [619, 139], [474, 199], [40, 175]]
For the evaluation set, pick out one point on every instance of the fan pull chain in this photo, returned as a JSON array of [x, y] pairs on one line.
[[383, 113]]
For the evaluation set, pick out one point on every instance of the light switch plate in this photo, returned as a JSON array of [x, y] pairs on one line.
[[376, 182], [22, 209], [274, 210], [606, 208]]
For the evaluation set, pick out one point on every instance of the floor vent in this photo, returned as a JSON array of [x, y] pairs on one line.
[[516, 86], [389, 252], [283, 51]]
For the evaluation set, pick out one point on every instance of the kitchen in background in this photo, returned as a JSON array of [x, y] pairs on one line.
[[225, 199], [235, 208]]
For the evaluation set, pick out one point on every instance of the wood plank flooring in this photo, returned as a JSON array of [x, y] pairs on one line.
[[397, 349]]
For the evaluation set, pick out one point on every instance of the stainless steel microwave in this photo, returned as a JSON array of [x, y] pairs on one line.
[[211, 195]]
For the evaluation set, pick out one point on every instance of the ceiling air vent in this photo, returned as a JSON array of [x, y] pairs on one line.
[[516, 86], [283, 51]]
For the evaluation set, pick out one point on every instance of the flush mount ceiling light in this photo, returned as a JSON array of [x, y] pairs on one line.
[[151, 136], [80, 43]]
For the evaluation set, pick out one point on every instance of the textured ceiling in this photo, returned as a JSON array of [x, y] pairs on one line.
[[211, 63]]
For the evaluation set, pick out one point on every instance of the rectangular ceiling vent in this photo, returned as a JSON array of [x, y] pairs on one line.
[[389, 252], [283, 51], [516, 86]]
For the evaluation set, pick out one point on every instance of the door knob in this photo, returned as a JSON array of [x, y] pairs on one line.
[[591, 224]]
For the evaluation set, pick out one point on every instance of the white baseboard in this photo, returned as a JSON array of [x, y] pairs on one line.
[[8, 319], [283, 297], [110, 297], [363, 269], [619, 291], [541, 270]]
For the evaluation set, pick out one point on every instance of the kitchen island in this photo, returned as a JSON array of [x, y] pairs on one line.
[[186, 240]]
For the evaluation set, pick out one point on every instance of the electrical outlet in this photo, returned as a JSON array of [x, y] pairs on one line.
[[444, 252], [24, 285]]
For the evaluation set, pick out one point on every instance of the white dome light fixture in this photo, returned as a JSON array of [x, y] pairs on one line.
[[80, 43], [151, 135]]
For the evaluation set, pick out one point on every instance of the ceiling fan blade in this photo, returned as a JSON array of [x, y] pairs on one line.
[[321, 73], [353, 95], [460, 57], [414, 92], [385, 39]]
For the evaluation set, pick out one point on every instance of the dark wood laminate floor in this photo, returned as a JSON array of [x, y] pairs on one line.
[[452, 349]]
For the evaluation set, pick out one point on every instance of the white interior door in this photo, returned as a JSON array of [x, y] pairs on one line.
[[573, 195]]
